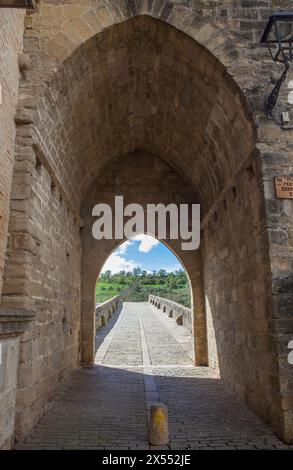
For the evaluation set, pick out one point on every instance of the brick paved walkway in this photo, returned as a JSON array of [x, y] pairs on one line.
[[141, 357]]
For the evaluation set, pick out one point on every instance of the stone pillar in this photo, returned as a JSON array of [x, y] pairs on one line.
[[11, 27], [200, 327], [12, 324], [88, 329], [277, 162]]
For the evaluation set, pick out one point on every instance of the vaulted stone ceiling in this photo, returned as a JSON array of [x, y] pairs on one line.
[[142, 84]]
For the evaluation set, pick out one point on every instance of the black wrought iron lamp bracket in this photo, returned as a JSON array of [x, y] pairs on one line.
[[278, 37], [272, 99]]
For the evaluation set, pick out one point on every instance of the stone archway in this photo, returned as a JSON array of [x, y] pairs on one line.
[[128, 72], [136, 177], [140, 85]]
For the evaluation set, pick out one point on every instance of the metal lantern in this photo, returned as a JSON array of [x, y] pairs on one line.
[[278, 37], [30, 4]]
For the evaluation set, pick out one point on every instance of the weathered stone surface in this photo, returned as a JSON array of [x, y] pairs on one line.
[[183, 81], [159, 428], [105, 310], [175, 309], [11, 26], [8, 384]]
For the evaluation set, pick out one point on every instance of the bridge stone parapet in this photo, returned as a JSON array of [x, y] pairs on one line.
[[182, 315], [105, 310]]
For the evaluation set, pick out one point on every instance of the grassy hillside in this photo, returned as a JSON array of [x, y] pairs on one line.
[[138, 285]]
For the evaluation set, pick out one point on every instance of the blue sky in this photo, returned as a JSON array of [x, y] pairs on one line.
[[144, 252]]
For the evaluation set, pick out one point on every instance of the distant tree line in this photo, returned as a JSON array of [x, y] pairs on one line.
[[138, 284], [173, 280]]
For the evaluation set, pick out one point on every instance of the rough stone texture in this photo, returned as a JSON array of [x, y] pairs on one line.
[[11, 43], [236, 278], [105, 407], [105, 311], [184, 81], [126, 74], [11, 27], [174, 310], [9, 354], [13, 322], [42, 272]]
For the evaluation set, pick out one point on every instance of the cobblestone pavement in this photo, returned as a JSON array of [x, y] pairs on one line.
[[141, 357]]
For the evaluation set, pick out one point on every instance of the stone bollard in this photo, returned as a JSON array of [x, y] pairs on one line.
[[159, 429]]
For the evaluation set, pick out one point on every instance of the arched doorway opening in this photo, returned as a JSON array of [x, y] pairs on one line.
[[146, 264], [144, 270], [148, 170]]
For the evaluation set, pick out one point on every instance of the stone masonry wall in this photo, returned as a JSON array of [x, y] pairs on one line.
[[237, 279], [117, 93], [8, 384], [279, 214], [11, 43], [42, 272], [11, 40]]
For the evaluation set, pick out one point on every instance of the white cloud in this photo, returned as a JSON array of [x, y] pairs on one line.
[[146, 242], [121, 250], [116, 263]]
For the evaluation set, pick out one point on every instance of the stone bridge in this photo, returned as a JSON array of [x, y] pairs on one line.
[[107, 406], [160, 101]]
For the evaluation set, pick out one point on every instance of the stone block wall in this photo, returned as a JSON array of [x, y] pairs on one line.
[[279, 214], [9, 356], [105, 310], [42, 272], [11, 43], [211, 341], [182, 315], [236, 273], [13, 323]]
